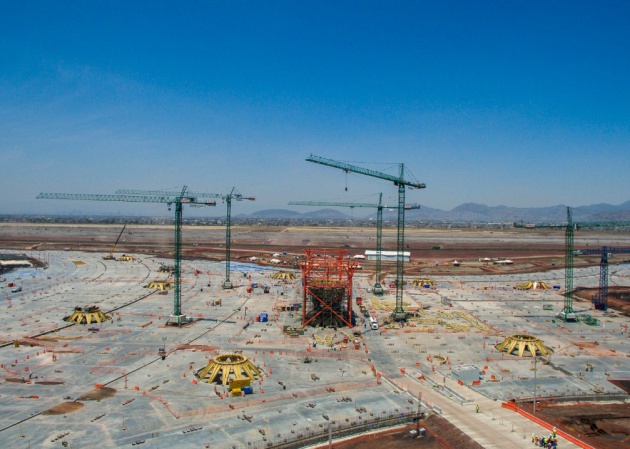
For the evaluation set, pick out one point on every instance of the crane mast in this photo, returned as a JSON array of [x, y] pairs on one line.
[[601, 302], [567, 313], [399, 313], [227, 283], [169, 198], [378, 289], [233, 195]]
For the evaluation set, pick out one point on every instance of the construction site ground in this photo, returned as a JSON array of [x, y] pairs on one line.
[[105, 385]]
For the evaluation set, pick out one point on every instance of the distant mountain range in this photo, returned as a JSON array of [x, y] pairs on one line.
[[469, 212]]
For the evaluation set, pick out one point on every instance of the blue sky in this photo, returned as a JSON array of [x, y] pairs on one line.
[[516, 103]]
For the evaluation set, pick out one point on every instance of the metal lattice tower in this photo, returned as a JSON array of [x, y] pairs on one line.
[[601, 300], [169, 198], [567, 312], [233, 195], [602, 297], [177, 270], [399, 313]]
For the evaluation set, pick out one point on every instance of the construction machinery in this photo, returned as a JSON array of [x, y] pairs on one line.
[[601, 299], [178, 199], [233, 195], [377, 289], [400, 181], [110, 256], [567, 313]]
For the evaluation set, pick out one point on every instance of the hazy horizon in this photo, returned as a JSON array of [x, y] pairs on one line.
[[523, 104]]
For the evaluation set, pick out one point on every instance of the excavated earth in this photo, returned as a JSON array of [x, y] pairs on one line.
[[603, 426], [440, 434]]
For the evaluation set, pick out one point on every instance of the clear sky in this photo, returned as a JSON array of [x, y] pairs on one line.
[[516, 103]]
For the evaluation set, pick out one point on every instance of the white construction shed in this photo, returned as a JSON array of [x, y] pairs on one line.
[[386, 256]]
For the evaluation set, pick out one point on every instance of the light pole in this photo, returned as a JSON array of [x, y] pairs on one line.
[[535, 370]]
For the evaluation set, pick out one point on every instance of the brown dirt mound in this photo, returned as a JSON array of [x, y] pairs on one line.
[[63, 408], [624, 384], [618, 297], [441, 434], [604, 425], [98, 394], [17, 380]]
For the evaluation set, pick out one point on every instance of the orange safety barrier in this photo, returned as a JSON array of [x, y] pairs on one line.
[[559, 432], [509, 405]]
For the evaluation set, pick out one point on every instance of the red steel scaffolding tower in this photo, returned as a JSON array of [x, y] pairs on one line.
[[327, 288]]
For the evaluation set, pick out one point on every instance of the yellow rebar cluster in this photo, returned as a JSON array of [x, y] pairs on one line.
[[159, 285], [523, 346], [388, 306], [284, 275], [445, 320], [89, 315], [228, 368], [532, 285], [422, 282]]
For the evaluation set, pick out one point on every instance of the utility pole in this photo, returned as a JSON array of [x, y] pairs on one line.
[[535, 372]]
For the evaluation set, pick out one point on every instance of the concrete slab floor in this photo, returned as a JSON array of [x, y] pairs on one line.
[[160, 402]]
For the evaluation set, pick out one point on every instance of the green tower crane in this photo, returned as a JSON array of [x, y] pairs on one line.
[[377, 289], [233, 195], [567, 313], [399, 313], [179, 199]]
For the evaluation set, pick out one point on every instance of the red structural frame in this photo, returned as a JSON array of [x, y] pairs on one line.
[[327, 269]]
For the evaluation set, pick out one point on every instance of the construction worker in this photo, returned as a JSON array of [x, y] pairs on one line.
[[477, 408]]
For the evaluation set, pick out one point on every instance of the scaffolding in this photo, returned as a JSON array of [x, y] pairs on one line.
[[327, 288]]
